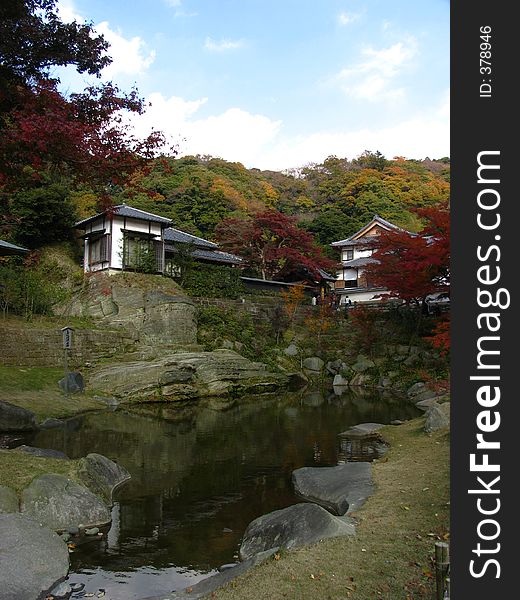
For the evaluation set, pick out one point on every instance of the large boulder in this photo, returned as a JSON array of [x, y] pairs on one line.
[[102, 475], [292, 350], [187, 375], [339, 381], [362, 364], [291, 527], [313, 364], [8, 500], [16, 418], [72, 383], [33, 558], [339, 489], [59, 503], [437, 417]]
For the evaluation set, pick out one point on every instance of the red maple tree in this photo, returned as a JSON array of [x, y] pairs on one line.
[[273, 246], [412, 266]]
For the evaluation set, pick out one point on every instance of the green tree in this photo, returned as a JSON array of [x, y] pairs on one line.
[[43, 214]]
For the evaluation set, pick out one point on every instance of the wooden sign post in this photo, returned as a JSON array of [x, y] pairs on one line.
[[67, 345]]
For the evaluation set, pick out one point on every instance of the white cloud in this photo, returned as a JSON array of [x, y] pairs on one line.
[[129, 56], [373, 78], [223, 45], [67, 12], [234, 134], [259, 141], [347, 18]]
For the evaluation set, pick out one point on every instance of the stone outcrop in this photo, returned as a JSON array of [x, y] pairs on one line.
[[187, 375], [59, 503], [437, 417], [313, 366], [34, 559], [292, 527], [16, 418], [102, 475], [150, 309], [339, 489]]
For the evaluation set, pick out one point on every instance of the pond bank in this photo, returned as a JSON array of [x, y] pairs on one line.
[[390, 556]]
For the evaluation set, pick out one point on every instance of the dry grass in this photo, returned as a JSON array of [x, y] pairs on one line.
[[18, 469], [36, 389], [391, 556]]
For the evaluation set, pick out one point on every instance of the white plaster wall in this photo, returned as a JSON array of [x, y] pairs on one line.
[[360, 297], [116, 258], [362, 252]]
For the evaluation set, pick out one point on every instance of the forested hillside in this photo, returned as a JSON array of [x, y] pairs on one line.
[[331, 200]]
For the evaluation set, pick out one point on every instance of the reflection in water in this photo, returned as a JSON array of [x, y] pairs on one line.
[[200, 475]]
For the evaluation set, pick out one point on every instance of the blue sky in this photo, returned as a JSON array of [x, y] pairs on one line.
[[281, 83]]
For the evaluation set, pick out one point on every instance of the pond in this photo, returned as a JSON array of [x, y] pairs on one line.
[[200, 475]]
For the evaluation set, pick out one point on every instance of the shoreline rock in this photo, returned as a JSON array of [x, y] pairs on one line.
[[34, 558], [187, 376], [60, 503], [16, 418], [340, 490], [292, 527]]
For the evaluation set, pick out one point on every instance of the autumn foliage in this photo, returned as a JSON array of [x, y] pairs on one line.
[[273, 245], [412, 266]]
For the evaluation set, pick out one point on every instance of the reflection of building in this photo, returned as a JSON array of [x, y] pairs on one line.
[[361, 449], [126, 238], [356, 251]]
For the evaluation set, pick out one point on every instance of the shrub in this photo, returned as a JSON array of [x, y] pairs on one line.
[[213, 281]]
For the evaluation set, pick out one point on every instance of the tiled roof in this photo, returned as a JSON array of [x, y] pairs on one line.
[[212, 255], [327, 276], [7, 248], [350, 241], [217, 255], [122, 210], [175, 235], [359, 262]]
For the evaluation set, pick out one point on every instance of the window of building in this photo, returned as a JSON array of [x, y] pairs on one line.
[[348, 254], [98, 249]]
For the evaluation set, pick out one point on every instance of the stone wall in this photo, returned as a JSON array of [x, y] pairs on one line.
[[44, 347], [260, 307]]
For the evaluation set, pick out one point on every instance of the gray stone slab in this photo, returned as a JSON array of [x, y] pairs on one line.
[[34, 559], [102, 475], [60, 503], [292, 527], [16, 418], [437, 417], [339, 489]]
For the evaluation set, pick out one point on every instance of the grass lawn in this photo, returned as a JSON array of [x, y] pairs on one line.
[[18, 469], [36, 388], [390, 557]]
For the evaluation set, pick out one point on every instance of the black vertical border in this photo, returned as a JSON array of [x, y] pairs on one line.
[[482, 124]]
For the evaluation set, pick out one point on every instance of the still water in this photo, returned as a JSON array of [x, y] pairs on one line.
[[200, 475]]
